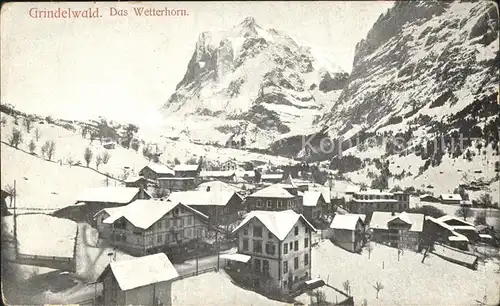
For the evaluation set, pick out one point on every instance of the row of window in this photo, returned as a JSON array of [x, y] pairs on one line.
[[294, 245], [257, 231], [279, 204], [295, 263], [364, 206], [270, 248]]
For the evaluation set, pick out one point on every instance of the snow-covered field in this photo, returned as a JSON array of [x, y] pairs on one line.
[[42, 235], [214, 289], [406, 282]]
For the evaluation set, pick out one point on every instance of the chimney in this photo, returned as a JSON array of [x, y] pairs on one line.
[[392, 213]]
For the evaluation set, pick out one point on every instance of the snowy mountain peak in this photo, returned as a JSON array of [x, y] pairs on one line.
[[252, 81]]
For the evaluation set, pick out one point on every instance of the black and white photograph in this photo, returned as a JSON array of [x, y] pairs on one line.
[[228, 153]]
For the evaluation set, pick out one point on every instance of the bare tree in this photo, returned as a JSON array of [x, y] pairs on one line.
[[369, 249], [51, 149], [105, 157], [464, 212], [378, 286], [37, 134], [16, 138], [44, 149], [320, 296], [98, 161], [32, 146], [347, 287], [70, 161], [88, 156], [28, 123]]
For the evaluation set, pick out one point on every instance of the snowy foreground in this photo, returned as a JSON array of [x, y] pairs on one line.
[[407, 282], [42, 235]]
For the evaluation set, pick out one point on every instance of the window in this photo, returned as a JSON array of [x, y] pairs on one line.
[[289, 203], [190, 220], [150, 240], [187, 233], [270, 248], [296, 263], [257, 231], [159, 239], [167, 223], [307, 229], [245, 231], [167, 238], [258, 203], [306, 242], [265, 267], [306, 259], [296, 245], [280, 203], [269, 204], [257, 246], [182, 222], [269, 235], [296, 279], [285, 284], [245, 244], [285, 267], [285, 248], [296, 231], [291, 246], [257, 265]]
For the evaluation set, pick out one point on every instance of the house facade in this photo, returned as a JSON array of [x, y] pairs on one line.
[[451, 199], [154, 171], [273, 198], [436, 230], [187, 170], [149, 226], [314, 206], [153, 287], [279, 247], [402, 231], [347, 231], [363, 202], [172, 184]]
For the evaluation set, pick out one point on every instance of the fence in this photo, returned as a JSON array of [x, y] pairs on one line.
[[213, 269], [41, 257]]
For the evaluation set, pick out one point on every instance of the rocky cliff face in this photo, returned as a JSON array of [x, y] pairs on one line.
[[421, 67], [253, 82]]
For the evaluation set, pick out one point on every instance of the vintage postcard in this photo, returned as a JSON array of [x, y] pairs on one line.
[[250, 153]]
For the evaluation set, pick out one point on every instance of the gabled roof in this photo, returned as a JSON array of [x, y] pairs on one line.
[[375, 192], [289, 181], [185, 167], [381, 218], [403, 217], [159, 168], [280, 223], [455, 235], [311, 198], [134, 179], [272, 176], [217, 186], [120, 195], [141, 271], [144, 213], [345, 221], [447, 218], [196, 197], [272, 191], [448, 196]]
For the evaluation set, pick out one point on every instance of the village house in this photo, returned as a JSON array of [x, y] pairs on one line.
[[363, 202], [184, 170], [271, 178], [313, 205], [274, 250], [226, 176], [347, 231], [149, 226], [229, 165], [176, 183], [429, 198], [154, 171], [460, 226], [92, 200], [399, 230], [217, 185], [273, 198], [438, 231], [451, 199], [144, 280], [213, 203]]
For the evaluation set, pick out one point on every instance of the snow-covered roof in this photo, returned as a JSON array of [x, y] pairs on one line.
[[381, 218], [175, 178], [159, 168], [144, 213], [403, 217], [455, 235], [272, 176], [143, 271], [447, 218], [376, 201], [237, 257], [227, 173], [454, 254], [311, 198], [185, 167], [197, 197], [485, 236], [448, 196], [345, 221], [121, 195], [272, 191], [134, 179], [250, 173], [217, 186], [375, 192], [427, 195], [280, 223]]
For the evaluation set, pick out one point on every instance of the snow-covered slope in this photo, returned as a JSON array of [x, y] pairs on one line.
[[253, 82]]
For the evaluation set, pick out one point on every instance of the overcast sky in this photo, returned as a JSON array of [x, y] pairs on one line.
[[124, 68]]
